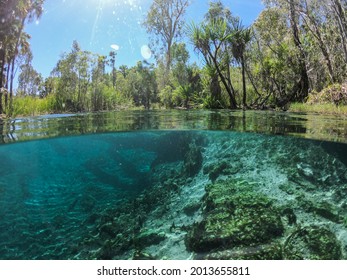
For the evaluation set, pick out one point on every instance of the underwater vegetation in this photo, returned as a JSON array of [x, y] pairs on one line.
[[173, 195], [234, 215], [241, 223]]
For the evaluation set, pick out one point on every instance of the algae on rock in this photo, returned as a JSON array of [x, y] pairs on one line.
[[234, 215], [313, 243]]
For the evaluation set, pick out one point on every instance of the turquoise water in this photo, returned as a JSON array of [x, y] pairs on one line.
[[176, 185]]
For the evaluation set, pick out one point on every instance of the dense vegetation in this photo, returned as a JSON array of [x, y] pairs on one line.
[[296, 51]]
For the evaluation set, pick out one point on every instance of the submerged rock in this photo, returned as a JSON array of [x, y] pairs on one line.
[[193, 160], [215, 170], [323, 209], [272, 251], [191, 208], [220, 168], [234, 215], [148, 237], [142, 256], [312, 243]]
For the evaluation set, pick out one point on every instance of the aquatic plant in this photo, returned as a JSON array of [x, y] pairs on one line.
[[234, 215], [312, 242]]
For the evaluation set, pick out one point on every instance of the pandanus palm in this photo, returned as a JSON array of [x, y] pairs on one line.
[[211, 41], [239, 41]]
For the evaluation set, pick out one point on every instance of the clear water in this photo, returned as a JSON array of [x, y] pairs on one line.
[[172, 185]]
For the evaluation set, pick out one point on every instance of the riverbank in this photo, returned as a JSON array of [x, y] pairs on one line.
[[328, 109]]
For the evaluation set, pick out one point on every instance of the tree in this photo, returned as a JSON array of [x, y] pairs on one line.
[[30, 82], [124, 70], [98, 83], [74, 71], [165, 21], [14, 14], [146, 87], [221, 39], [301, 89], [339, 12], [211, 39], [289, 10], [313, 21], [239, 41], [112, 60], [184, 79]]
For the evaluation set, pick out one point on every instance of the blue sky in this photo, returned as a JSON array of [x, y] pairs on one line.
[[98, 24]]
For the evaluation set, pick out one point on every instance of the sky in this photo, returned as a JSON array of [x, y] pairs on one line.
[[99, 24]]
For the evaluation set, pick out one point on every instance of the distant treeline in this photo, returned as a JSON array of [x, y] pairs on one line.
[[291, 53]]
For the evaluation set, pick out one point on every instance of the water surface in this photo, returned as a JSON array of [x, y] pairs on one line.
[[311, 126]]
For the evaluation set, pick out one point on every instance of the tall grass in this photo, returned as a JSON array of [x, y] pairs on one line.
[[329, 109], [32, 106]]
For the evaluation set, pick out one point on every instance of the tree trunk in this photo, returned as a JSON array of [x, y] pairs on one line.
[[215, 90], [301, 89], [2, 74], [244, 99], [11, 83], [316, 32], [342, 23], [227, 85]]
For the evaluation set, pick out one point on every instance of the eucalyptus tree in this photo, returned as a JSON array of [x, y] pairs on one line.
[[315, 19], [184, 78], [141, 84], [98, 82], [14, 15], [112, 62], [283, 45], [311, 43], [338, 10], [30, 82], [301, 89], [164, 21], [75, 70]]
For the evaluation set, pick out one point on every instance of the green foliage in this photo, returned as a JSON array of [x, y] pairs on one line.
[[221, 39], [32, 106], [314, 243], [166, 97], [165, 21], [331, 100], [333, 94], [293, 47], [318, 108], [14, 42]]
